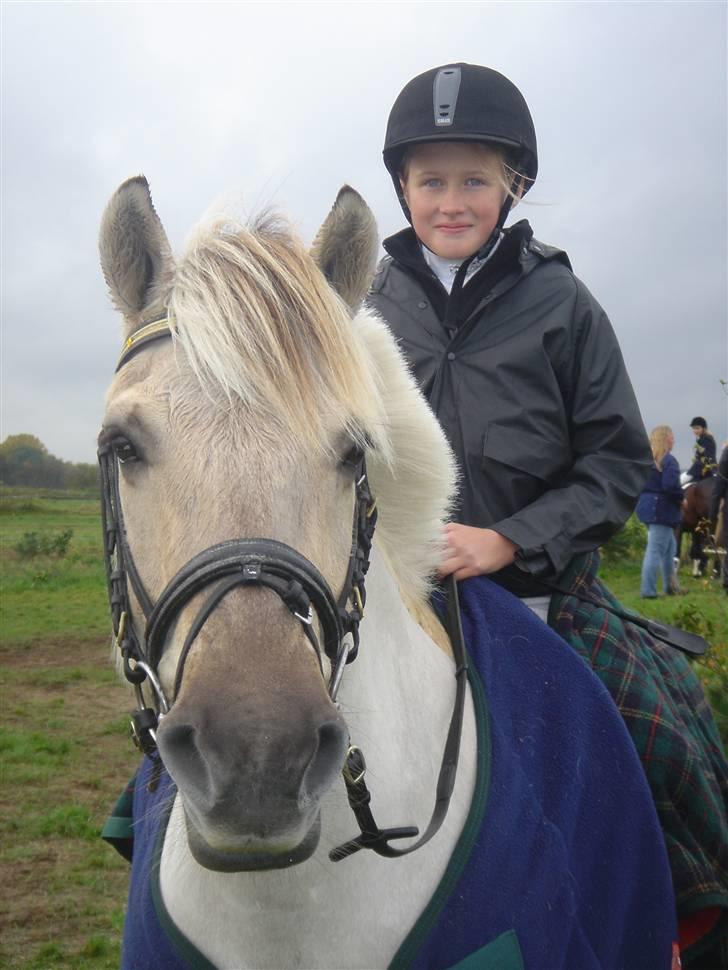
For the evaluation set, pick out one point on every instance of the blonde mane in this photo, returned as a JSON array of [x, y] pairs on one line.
[[257, 321]]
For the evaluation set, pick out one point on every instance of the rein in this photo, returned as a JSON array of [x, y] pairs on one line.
[[304, 591]]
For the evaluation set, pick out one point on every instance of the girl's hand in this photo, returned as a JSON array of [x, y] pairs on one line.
[[472, 552]]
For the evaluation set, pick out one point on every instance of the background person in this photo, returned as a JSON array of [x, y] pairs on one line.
[[522, 368], [704, 453], [658, 507], [720, 494]]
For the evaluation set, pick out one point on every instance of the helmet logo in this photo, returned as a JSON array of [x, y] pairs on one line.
[[445, 95]]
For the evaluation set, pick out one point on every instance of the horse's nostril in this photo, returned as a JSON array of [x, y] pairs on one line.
[[332, 740], [179, 737], [180, 750], [327, 759]]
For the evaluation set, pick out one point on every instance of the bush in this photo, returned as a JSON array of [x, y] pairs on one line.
[[33, 544], [689, 617], [629, 543], [13, 506]]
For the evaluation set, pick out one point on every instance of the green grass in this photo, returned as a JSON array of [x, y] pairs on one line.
[[65, 755], [46, 596], [64, 747]]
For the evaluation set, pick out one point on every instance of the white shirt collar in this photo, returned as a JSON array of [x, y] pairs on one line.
[[445, 269]]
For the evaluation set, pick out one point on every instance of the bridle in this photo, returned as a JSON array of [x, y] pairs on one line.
[[303, 590], [237, 562]]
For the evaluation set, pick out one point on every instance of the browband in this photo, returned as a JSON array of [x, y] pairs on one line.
[[148, 332]]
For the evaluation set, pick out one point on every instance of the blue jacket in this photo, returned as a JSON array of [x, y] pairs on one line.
[[661, 499]]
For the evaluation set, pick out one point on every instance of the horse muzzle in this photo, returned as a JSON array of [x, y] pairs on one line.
[[251, 784]]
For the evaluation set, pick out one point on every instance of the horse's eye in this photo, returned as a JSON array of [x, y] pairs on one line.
[[353, 457], [124, 450]]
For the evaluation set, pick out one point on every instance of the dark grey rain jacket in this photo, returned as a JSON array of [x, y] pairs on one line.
[[524, 372]]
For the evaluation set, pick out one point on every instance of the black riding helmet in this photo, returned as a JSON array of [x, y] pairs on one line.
[[462, 102]]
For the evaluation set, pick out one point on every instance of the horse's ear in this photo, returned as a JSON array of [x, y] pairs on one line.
[[345, 248], [135, 255]]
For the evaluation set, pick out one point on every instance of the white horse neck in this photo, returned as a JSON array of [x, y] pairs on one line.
[[397, 699]]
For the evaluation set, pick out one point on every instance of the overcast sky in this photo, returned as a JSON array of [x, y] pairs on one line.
[[282, 103]]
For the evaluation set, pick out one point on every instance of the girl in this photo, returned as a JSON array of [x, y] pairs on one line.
[[516, 358], [523, 370], [659, 508]]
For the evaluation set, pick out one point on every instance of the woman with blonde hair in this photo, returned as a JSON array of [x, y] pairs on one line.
[[659, 507]]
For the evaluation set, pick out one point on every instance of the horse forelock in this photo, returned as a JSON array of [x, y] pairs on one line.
[[259, 325], [265, 334]]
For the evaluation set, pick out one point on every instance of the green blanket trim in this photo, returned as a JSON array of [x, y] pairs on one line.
[[188, 950], [414, 940], [118, 828], [502, 953]]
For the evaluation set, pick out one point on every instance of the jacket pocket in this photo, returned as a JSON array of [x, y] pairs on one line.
[[646, 509], [518, 466], [542, 455]]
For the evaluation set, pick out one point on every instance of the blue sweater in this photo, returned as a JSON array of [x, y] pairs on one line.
[[561, 864], [661, 499]]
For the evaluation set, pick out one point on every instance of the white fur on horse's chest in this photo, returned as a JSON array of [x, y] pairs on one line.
[[355, 913]]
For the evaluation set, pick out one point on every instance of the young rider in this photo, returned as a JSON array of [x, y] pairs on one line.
[[704, 453], [521, 366], [515, 356]]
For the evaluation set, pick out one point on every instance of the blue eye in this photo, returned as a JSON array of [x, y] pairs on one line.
[[475, 182]]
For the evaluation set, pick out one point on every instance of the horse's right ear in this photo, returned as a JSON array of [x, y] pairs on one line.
[[345, 248], [135, 255]]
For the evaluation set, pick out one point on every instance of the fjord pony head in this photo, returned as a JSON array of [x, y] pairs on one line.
[[240, 426]]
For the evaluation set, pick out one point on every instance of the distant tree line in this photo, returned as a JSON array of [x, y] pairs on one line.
[[24, 460]]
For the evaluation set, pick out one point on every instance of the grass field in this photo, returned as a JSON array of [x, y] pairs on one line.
[[64, 740], [64, 743]]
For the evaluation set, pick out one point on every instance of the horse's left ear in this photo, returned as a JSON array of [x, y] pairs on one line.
[[345, 248]]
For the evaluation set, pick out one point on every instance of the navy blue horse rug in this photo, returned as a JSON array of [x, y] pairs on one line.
[[561, 865]]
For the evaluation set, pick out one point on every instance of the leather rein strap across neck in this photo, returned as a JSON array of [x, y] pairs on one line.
[[303, 589]]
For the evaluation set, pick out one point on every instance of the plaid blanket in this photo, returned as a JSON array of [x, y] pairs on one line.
[[669, 719]]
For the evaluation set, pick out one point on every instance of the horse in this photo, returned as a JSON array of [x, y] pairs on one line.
[[255, 397], [696, 523]]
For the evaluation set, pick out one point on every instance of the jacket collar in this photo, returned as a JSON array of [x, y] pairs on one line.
[[404, 246]]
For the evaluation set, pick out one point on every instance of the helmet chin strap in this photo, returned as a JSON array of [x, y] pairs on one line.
[[502, 216]]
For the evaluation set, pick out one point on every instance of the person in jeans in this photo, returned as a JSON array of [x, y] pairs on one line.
[[659, 508]]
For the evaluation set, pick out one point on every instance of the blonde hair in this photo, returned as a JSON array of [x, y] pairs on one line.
[[494, 163], [660, 443]]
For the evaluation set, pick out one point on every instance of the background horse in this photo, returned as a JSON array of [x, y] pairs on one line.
[[696, 523], [248, 393]]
